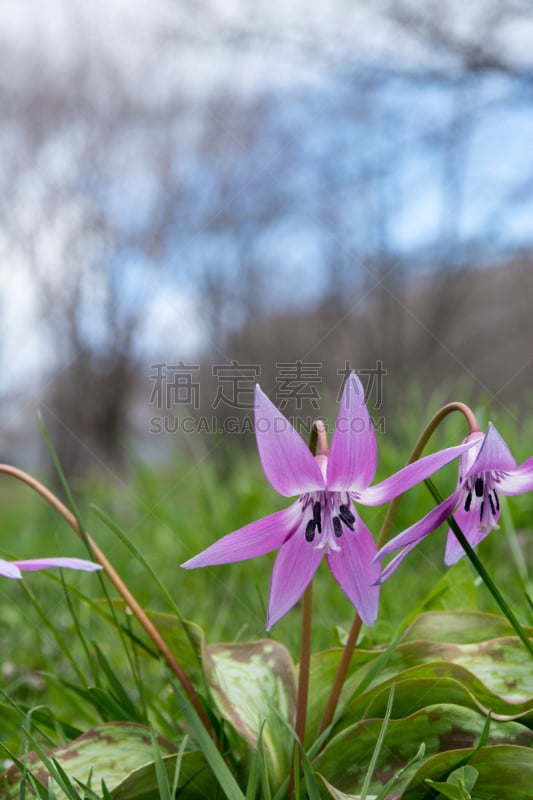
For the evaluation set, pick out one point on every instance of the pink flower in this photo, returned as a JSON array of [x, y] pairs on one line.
[[14, 569], [322, 522], [485, 471]]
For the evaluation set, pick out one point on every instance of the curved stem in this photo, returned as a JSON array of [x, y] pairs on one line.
[[349, 647], [417, 451], [117, 582]]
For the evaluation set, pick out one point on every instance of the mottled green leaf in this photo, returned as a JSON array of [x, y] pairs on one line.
[[505, 772], [455, 590], [107, 752], [496, 673], [322, 673], [460, 627], [338, 795], [195, 779], [253, 685], [430, 684], [441, 727]]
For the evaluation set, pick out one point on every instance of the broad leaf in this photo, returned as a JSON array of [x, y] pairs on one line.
[[460, 627], [459, 784], [107, 752], [431, 684], [338, 795], [442, 727], [195, 779], [253, 685], [504, 772]]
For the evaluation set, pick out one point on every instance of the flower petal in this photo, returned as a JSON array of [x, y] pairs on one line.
[[420, 529], [252, 540], [286, 459], [393, 565], [353, 454], [407, 477], [9, 570], [355, 573], [295, 565], [493, 454], [468, 521], [81, 564], [518, 480]]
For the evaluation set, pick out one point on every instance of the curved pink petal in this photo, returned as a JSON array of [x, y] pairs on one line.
[[286, 459], [9, 570], [518, 480], [493, 454], [81, 564], [393, 565], [415, 533], [353, 454], [295, 565], [355, 573], [468, 522], [407, 477], [254, 539]]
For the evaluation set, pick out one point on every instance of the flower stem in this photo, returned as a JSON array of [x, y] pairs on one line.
[[417, 451], [480, 569], [349, 647], [317, 442], [342, 671], [305, 661], [117, 582]]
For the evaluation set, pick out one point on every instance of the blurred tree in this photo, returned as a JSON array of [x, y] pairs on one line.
[[339, 210]]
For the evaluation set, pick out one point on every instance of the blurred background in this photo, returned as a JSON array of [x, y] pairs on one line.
[[196, 196]]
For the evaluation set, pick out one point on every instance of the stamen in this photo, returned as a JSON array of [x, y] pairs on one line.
[[316, 516], [481, 511], [310, 530], [468, 501], [492, 508], [496, 500], [337, 527], [346, 514], [479, 487], [348, 520]]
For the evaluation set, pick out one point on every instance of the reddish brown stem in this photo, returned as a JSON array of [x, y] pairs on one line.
[[317, 442], [304, 666], [117, 582]]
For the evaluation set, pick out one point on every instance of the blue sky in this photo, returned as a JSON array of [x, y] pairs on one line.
[[496, 156]]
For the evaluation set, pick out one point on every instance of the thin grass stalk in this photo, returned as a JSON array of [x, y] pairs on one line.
[[481, 571], [117, 582]]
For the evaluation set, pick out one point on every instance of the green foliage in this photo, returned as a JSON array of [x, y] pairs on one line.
[[459, 784], [439, 692]]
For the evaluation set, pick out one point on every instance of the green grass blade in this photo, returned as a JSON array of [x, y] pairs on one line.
[[60, 639], [160, 772], [177, 769], [124, 538], [77, 626], [482, 572], [61, 475], [117, 688], [419, 755], [221, 771], [377, 749]]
